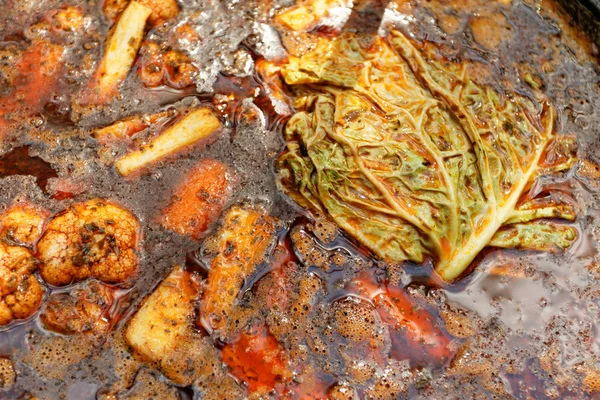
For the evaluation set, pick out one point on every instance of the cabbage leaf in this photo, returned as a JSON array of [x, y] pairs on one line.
[[414, 159]]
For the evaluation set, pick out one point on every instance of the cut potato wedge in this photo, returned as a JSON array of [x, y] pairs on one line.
[[120, 51], [164, 318], [244, 241], [197, 125]]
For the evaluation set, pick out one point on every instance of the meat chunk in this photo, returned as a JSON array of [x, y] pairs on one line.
[[20, 292], [198, 199], [92, 239], [84, 310], [242, 244]]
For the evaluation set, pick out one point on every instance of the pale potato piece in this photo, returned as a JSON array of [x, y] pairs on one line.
[[197, 125], [121, 49], [243, 243], [164, 318]]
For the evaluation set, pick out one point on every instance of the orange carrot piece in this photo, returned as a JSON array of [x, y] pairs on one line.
[[199, 199]]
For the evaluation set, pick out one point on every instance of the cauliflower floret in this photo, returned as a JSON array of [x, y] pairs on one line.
[[20, 292], [22, 224], [92, 239], [84, 310]]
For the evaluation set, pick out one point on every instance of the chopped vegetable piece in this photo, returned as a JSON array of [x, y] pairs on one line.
[[120, 51], [92, 239], [22, 224], [128, 127], [413, 158], [164, 318], [198, 199], [161, 10], [83, 310], [197, 125], [244, 241], [256, 358], [21, 294]]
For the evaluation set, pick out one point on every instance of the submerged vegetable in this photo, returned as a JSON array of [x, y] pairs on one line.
[[416, 160]]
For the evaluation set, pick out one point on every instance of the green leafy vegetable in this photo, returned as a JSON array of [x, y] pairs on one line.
[[416, 160]]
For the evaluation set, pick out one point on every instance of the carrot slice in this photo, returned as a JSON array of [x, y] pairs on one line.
[[199, 199]]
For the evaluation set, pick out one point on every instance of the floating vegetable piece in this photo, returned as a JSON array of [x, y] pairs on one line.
[[198, 199], [165, 317], [92, 239], [83, 310], [21, 294], [22, 224], [243, 243], [257, 359], [119, 54], [128, 127], [412, 157], [193, 127], [536, 235]]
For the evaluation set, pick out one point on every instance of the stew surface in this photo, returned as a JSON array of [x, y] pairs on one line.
[[313, 200]]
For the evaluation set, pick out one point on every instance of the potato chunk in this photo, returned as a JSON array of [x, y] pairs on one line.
[[164, 318], [243, 243], [195, 126], [198, 199]]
